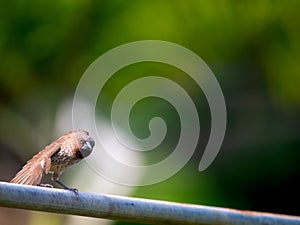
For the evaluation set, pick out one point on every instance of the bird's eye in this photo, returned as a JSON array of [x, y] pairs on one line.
[[81, 141]]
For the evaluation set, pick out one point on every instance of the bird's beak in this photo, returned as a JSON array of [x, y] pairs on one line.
[[87, 148], [90, 144]]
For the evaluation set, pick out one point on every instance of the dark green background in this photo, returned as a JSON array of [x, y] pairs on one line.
[[253, 48]]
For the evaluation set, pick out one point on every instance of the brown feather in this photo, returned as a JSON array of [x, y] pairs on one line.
[[33, 171], [56, 157]]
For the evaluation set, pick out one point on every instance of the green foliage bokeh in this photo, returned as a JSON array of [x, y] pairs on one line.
[[252, 47]]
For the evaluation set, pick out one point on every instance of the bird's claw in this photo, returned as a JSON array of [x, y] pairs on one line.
[[46, 185], [75, 190]]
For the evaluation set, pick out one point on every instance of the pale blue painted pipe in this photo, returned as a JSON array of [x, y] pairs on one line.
[[131, 209]]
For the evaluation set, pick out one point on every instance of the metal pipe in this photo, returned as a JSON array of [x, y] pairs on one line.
[[131, 209]]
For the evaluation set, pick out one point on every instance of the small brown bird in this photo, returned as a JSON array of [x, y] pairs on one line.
[[67, 150]]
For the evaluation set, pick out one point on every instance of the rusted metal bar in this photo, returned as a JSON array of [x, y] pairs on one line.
[[131, 209]]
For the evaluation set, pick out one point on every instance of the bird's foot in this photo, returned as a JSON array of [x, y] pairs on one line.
[[75, 190], [46, 185]]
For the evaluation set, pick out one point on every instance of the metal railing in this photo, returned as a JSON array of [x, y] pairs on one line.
[[131, 209]]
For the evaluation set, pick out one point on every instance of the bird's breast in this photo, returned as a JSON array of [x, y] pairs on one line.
[[60, 162]]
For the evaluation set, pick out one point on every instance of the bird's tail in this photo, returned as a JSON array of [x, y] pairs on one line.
[[30, 174]]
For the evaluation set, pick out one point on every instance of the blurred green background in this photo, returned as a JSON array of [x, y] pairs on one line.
[[253, 48]]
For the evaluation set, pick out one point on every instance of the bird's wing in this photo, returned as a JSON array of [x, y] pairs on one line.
[[33, 171]]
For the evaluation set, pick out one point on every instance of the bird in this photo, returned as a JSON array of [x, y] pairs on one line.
[[66, 151]]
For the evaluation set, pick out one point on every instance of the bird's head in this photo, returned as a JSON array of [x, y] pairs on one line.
[[87, 147], [84, 141]]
